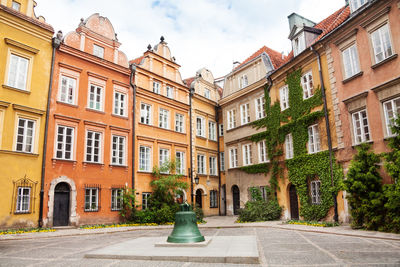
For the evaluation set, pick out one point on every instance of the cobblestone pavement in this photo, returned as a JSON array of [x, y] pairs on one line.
[[277, 247]]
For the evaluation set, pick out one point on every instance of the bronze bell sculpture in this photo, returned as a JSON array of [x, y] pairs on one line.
[[185, 227]]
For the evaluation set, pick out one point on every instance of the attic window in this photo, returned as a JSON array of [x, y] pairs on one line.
[[356, 4], [98, 51], [298, 44], [16, 6], [243, 81]]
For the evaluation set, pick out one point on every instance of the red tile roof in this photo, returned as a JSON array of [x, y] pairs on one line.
[[189, 81], [275, 57], [136, 60], [333, 21]]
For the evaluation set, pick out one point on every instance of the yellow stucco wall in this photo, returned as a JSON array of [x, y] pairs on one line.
[[18, 36]]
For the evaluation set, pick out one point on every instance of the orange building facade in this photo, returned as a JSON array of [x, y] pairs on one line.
[[89, 142]]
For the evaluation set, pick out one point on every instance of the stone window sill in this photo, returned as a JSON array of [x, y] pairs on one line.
[[352, 77], [67, 104], [367, 142], [16, 89], [384, 61], [95, 110], [19, 153]]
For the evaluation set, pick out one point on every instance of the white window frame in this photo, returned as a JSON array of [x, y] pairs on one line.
[[200, 127], [180, 164], [284, 97], [28, 141], [21, 72], [156, 87], [163, 157], [120, 103], [231, 117], [361, 130], [233, 157], [289, 153], [67, 92], [201, 164], [379, 33], [299, 44], [92, 153], [116, 201], [221, 129], [118, 154], [245, 113], [260, 107], [243, 81], [213, 199], [395, 110], [92, 104], [16, 6], [23, 200], [179, 123], [93, 204], [98, 51], [351, 65], [207, 93], [262, 152], [145, 200], [145, 114], [169, 91], [308, 85], [314, 142], [247, 154], [222, 160], [356, 4], [315, 187], [61, 145], [213, 165], [212, 131], [163, 118], [144, 158]]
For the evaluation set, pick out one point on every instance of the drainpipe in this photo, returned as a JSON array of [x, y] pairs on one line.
[[56, 42], [328, 131], [191, 92], [218, 160], [132, 67]]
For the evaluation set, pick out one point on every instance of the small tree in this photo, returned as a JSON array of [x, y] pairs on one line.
[[364, 184], [128, 202]]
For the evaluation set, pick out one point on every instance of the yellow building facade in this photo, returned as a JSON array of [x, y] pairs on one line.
[[25, 58]]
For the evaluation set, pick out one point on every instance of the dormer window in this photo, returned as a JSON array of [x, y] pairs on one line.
[[16, 6], [243, 81], [98, 51], [298, 44], [356, 4]]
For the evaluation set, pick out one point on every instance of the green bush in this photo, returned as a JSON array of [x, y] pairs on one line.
[[199, 213], [260, 210], [161, 215]]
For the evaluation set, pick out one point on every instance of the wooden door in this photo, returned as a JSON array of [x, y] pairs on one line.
[[294, 204], [236, 199], [61, 205]]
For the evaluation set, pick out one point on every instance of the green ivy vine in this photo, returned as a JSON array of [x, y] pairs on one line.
[[303, 167]]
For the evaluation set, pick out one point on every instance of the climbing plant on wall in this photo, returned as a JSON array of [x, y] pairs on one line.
[[303, 167]]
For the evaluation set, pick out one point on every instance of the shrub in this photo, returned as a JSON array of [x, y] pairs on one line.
[[199, 213], [260, 211]]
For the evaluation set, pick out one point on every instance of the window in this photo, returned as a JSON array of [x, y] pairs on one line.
[[118, 150], [360, 126], [262, 152], [315, 192], [145, 200], [201, 165], [221, 130], [96, 97], [25, 135], [64, 142], [244, 113], [180, 162], [284, 97], [179, 123], [350, 61], [381, 43], [98, 51], [145, 114], [392, 112], [116, 195], [222, 160], [263, 191], [156, 87], [144, 158], [67, 90], [213, 165], [298, 44], [213, 199], [16, 6], [164, 158], [356, 4], [170, 92], [313, 139], [289, 146], [231, 115], [246, 154], [233, 158], [307, 84], [243, 81], [164, 118], [91, 199], [18, 72], [23, 200], [119, 104], [207, 93], [260, 110], [200, 126], [212, 133], [93, 147]]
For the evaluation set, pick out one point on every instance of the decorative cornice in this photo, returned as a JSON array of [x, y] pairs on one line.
[[120, 83], [98, 76], [386, 84], [28, 109], [355, 97], [346, 36], [120, 129], [96, 124], [4, 104], [63, 65], [375, 17], [66, 118], [21, 45]]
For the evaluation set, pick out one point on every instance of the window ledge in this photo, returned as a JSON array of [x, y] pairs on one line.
[[95, 110], [66, 104], [93, 163], [16, 89], [91, 210], [384, 61], [21, 212], [388, 137], [120, 116], [149, 172], [118, 166], [19, 153], [356, 145], [64, 160], [116, 209], [201, 137], [353, 77]]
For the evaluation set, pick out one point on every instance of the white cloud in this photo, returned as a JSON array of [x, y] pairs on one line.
[[202, 33]]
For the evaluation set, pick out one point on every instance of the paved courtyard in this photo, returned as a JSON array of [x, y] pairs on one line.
[[277, 247]]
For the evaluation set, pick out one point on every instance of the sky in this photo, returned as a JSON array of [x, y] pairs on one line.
[[200, 33]]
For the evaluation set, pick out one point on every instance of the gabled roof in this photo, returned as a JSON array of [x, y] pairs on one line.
[[333, 21], [136, 60], [276, 57], [189, 81]]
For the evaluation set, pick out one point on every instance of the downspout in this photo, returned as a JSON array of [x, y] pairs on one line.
[[133, 71], [191, 92], [328, 132], [218, 160], [56, 41]]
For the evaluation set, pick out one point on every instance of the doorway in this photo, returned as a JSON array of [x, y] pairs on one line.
[[61, 205], [236, 199], [294, 204], [223, 200], [198, 198]]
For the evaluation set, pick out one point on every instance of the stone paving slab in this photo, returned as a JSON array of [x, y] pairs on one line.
[[222, 249]]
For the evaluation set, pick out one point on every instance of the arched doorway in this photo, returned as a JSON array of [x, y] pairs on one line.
[[198, 198], [294, 204], [236, 199], [61, 204]]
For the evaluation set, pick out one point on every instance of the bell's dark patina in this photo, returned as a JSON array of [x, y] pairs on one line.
[[185, 227]]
